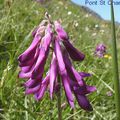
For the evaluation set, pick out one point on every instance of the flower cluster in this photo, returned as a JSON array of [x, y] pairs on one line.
[[100, 50], [52, 38]]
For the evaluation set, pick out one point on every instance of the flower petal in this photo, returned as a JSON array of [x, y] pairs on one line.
[[25, 69], [73, 52], [83, 74], [30, 61], [29, 53], [32, 90], [83, 102], [60, 31], [40, 93], [62, 69], [31, 83], [53, 73], [44, 50], [25, 75], [90, 89], [74, 75]]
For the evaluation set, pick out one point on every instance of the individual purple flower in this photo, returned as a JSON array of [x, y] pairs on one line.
[[53, 73], [63, 73], [40, 93], [78, 85], [73, 52], [60, 31], [100, 50], [51, 37]]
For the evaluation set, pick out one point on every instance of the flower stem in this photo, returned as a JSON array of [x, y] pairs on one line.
[[59, 100], [72, 113], [115, 64]]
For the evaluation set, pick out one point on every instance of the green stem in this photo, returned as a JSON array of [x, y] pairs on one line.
[[51, 111], [59, 100], [115, 64], [72, 113]]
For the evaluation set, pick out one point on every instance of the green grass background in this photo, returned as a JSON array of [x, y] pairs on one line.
[[17, 19]]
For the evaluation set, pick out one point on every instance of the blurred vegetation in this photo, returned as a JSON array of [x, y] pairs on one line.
[[18, 19]]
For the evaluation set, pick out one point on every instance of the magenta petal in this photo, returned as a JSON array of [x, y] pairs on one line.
[[83, 74], [73, 52], [44, 50], [74, 75], [40, 93], [25, 69], [31, 83], [30, 61], [53, 74], [32, 90], [60, 31], [83, 102], [29, 53], [59, 55], [65, 81], [83, 90], [26, 63], [63, 72], [91, 89], [25, 75], [71, 103], [78, 77], [39, 66]]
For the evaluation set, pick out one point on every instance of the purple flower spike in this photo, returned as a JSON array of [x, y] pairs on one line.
[[33, 60], [100, 50]]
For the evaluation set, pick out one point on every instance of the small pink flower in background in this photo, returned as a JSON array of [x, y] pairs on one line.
[[51, 37], [41, 1], [100, 50], [109, 93]]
